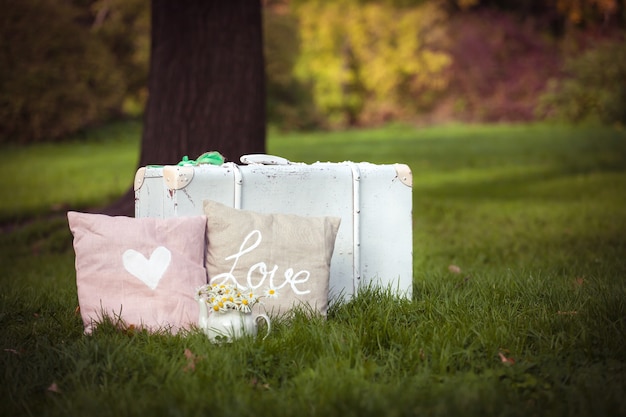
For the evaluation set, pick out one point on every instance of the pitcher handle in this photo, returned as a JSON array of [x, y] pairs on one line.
[[267, 320]]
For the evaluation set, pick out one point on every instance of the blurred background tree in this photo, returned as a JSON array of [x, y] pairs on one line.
[[56, 75], [68, 64], [124, 27], [206, 84], [290, 102], [592, 88], [371, 61]]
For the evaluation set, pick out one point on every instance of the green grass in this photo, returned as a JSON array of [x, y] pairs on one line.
[[532, 321], [92, 169]]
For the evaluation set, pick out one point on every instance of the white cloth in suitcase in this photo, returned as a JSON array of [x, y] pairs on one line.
[[374, 244]]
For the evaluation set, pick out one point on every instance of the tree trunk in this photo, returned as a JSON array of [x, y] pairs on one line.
[[206, 84]]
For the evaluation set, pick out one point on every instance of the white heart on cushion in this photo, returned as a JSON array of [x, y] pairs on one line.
[[149, 271]]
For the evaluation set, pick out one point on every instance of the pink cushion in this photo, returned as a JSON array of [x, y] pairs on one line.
[[143, 271]]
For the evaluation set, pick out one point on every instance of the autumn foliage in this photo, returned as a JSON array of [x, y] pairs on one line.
[[68, 65], [371, 62]]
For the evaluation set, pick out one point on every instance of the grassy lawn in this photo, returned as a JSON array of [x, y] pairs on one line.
[[519, 303], [90, 170]]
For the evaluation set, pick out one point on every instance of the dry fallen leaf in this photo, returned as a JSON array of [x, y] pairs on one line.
[[454, 269], [505, 360], [255, 383], [192, 360], [54, 388], [567, 313]]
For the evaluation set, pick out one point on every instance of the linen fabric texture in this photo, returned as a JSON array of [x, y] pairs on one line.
[[140, 272], [286, 253]]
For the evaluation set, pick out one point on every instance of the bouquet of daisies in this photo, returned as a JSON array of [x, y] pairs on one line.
[[224, 297]]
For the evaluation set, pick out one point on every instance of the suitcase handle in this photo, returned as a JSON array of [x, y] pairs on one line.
[[263, 159]]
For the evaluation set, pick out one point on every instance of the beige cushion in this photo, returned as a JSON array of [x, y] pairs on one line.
[[143, 271], [288, 253]]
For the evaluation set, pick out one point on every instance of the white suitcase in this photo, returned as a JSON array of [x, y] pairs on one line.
[[374, 245]]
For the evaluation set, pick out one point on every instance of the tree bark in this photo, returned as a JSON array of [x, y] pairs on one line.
[[206, 84]]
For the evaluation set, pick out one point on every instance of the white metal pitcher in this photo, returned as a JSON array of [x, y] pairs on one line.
[[229, 325]]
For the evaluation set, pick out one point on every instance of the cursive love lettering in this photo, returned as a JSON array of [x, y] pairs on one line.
[[259, 272]]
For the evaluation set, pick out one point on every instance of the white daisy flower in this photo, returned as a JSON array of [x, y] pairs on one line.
[[271, 293]]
